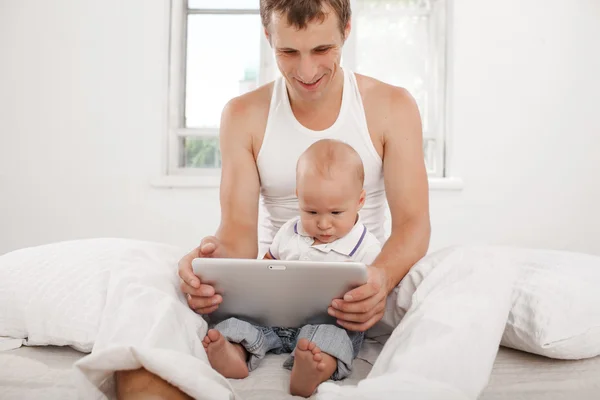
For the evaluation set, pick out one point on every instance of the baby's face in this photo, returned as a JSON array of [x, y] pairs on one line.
[[329, 208]]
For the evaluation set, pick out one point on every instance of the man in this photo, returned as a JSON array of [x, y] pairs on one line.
[[261, 133]]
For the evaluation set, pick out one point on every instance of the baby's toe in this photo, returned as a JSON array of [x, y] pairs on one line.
[[213, 335], [303, 344], [315, 349]]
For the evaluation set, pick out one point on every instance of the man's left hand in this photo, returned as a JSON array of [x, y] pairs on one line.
[[364, 306]]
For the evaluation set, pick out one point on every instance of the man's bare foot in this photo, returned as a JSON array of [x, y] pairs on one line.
[[228, 359], [311, 368]]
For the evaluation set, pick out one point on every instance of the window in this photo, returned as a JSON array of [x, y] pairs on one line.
[[218, 51]]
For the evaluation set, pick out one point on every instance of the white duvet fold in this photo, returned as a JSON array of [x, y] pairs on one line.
[[146, 323], [449, 329]]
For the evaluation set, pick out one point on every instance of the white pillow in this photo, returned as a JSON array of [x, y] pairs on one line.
[[556, 304], [555, 309], [54, 294]]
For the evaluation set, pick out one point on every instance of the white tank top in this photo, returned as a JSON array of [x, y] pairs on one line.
[[284, 141]]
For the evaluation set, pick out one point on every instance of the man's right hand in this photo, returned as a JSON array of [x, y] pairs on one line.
[[200, 297]]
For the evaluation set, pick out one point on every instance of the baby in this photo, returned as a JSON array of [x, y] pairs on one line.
[[329, 187]]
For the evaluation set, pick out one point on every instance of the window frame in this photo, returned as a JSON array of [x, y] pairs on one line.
[[177, 81]]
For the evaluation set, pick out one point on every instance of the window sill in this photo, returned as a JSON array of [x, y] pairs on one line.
[[450, 183], [198, 182], [186, 182]]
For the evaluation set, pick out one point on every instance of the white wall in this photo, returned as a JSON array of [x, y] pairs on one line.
[[83, 89]]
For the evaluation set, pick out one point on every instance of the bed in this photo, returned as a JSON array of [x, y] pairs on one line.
[[466, 323], [46, 373]]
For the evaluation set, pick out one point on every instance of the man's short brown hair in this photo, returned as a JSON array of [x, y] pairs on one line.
[[300, 12]]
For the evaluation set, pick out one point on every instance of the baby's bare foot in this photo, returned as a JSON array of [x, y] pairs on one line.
[[228, 359], [311, 368]]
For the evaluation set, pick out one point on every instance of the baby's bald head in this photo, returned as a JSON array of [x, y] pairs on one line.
[[330, 159], [329, 187]]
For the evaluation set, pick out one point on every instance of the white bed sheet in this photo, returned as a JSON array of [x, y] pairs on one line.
[[38, 373], [522, 376], [46, 373]]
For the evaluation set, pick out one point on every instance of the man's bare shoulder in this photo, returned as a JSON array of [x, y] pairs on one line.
[[389, 105], [244, 118], [253, 104], [382, 95]]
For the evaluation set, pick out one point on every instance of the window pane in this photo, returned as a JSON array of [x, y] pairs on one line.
[[223, 4], [429, 150], [393, 44], [200, 152], [223, 53]]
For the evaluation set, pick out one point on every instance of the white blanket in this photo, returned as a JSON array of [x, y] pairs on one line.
[[449, 329]]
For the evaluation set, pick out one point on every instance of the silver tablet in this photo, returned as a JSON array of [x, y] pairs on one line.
[[276, 292]]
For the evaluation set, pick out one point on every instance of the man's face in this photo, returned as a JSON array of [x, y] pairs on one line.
[[307, 58]]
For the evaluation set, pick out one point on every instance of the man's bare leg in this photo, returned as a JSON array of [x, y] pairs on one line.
[[141, 384]]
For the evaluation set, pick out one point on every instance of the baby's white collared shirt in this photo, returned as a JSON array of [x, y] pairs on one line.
[[292, 243]]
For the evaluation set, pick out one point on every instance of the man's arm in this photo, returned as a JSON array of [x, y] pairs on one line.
[[407, 193], [242, 120], [240, 185], [407, 190]]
